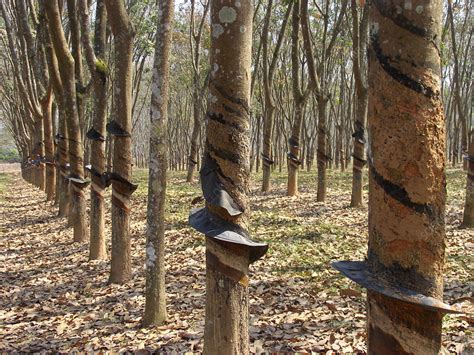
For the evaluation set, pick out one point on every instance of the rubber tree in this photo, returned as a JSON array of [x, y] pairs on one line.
[[269, 67], [468, 215], [195, 44], [359, 50], [77, 54], [60, 139], [35, 83], [120, 127], [467, 150], [95, 58], [66, 67], [45, 87], [457, 84], [50, 180], [155, 294], [30, 76], [225, 181], [46, 102], [319, 77], [299, 97], [407, 184]]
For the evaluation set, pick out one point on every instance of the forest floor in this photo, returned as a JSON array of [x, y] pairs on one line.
[[53, 299]]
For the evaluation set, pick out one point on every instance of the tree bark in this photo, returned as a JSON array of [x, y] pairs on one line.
[[40, 170], [195, 41], [50, 183], [225, 180], [76, 52], [359, 48], [95, 58], [407, 179], [294, 161], [155, 294], [60, 139], [76, 153], [122, 188], [193, 150], [457, 87], [318, 77], [468, 216], [269, 111], [322, 153], [62, 167]]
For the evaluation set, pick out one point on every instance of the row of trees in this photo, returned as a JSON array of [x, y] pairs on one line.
[[337, 34], [64, 77]]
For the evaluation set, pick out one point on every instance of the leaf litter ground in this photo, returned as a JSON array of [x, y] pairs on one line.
[[53, 299]]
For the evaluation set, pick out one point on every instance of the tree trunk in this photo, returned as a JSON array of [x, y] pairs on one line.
[[195, 41], [358, 155], [62, 171], [50, 187], [227, 325], [267, 153], [468, 217], [193, 154], [407, 179], [122, 188], [359, 48], [294, 161], [322, 149], [225, 180], [40, 171], [99, 71], [269, 112], [76, 153], [155, 294]]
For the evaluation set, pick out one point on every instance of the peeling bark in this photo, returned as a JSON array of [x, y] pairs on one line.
[[225, 180], [407, 180]]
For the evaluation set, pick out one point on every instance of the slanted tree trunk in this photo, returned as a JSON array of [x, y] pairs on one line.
[[95, 58], [155, 294], [225, 181], [120, 128], [359, 48], [407, 179], [76, 152]]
